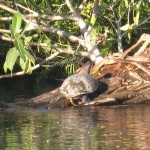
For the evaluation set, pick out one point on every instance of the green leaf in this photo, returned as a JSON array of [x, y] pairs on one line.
[[129, 36], [11, 59], [16, 22], [30, 57], [28, 67], [20, 47], [12, 32], [136, 18], [27, 40], [5, 67], [22, 63], [93, 20], [126, 3]]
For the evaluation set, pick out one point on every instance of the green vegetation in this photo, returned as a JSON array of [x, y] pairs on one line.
[[58, 35]]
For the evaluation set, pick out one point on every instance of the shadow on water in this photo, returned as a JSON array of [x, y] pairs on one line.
[[21, 88], [88, 128]]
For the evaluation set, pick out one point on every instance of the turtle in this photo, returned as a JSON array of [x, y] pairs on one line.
[[79, 85]]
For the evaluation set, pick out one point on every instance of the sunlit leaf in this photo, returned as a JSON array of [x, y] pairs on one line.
[[126, 3], [5, 67], [16, 22], [11, 58], [129, 36], [22, 63], [28, 67], [93, 20], [136, 18], [27, 39], [125, 27]]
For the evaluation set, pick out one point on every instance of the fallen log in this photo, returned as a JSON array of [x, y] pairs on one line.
[[125, 80]]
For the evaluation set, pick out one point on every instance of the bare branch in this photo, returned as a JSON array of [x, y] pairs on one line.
[[33, 26], [62, 33], [83, 26], [72, 52], [5, 38], [72, 9], [4, 31], [51, 18], [27, 9], [95, 9], [8, 9], [5, 18], [89, 54], [111, 21], [64, 50], [48, 17], [82, 4]]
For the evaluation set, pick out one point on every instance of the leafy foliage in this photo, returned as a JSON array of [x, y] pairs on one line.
[[117, 22], [19, 51]]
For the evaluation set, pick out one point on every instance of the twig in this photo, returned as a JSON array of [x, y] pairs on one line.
[[82, 4], [101, 101], [135, 75], [8, 9], [141, 67], [5, 18], [6, 38], [142, 48], [130, 49], [4, 31]]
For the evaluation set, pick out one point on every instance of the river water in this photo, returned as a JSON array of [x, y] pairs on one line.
[[84, 128]]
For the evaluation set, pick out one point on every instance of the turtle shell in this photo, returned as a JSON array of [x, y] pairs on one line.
[[78, 84]]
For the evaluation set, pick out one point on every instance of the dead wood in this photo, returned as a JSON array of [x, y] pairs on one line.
[[125, 79]]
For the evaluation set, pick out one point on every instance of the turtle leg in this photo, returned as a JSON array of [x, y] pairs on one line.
[[85, 99], [72, 102]]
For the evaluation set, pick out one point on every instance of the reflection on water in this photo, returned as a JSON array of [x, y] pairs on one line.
[[121, 127], [89, 128]]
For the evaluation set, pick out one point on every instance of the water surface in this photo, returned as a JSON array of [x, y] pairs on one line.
[[88, 128]]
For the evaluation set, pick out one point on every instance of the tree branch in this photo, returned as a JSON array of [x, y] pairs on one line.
[[51, 18], [8, 9], [33, 26], [6, 38], [93, 50], [5, 18], [55, 16], [62, 33], [82, 4], [64, 50], [70, 6], [4, 31]]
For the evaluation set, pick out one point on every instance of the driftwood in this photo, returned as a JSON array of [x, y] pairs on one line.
[[125, 79]]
